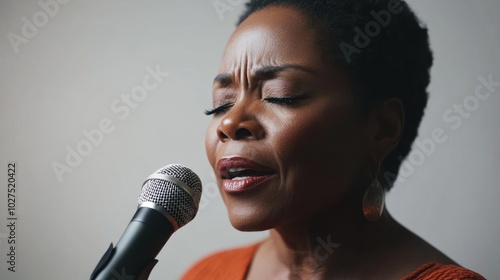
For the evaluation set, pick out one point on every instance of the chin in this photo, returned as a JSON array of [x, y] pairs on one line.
[[251, 219]]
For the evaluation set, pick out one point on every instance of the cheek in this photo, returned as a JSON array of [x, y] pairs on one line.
[[320, 133], [321, 149]]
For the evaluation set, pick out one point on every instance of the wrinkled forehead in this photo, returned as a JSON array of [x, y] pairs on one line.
[[269, 37]]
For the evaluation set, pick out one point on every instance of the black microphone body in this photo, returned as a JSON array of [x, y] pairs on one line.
[[169, 200], [144, 237]]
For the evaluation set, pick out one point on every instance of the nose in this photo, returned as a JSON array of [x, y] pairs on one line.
[[240, 123]]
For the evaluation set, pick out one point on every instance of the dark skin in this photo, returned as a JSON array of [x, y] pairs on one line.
[[285, 107]]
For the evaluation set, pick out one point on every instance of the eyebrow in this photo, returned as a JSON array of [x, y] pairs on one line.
[[265, 72]]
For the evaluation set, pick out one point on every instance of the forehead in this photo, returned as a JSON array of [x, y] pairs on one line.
[[272, 36]]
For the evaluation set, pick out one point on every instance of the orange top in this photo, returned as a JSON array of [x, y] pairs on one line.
[[233, 265]]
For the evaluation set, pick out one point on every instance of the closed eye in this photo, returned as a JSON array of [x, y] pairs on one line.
[[290, 100], [218, 110], [285, 100]]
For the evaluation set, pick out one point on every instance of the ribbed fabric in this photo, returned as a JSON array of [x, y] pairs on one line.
[[226, 265], [430, 271], [233, 265]]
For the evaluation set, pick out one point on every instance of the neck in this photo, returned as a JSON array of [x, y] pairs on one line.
[[329, 241]]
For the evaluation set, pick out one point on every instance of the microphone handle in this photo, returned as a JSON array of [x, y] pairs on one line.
[[144, 237]]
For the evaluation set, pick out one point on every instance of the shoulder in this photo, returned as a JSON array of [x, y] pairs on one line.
[[438, 271], [227, 264]]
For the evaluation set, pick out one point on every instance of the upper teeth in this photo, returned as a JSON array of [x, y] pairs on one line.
[[236, 169], [236, 173]]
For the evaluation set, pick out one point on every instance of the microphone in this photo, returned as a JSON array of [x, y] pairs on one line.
[[169, 200]]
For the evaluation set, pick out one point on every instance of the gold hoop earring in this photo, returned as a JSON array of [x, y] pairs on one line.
[[373, 199]]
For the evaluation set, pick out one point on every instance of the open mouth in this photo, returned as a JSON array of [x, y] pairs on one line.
[[240, 174], [243, 173], [239, 168]]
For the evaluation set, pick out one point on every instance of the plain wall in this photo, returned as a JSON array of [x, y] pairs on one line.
[[66, 77]]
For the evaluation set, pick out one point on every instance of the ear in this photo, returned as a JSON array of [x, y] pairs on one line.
[[387, 122]]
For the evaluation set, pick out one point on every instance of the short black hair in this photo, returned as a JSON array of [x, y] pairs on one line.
[[385, 50]]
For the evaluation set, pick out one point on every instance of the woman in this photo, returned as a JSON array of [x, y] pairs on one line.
[[314, 105]]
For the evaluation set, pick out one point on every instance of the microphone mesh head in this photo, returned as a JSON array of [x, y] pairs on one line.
[[173, 198]]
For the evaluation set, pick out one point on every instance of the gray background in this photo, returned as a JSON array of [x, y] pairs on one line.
[[65, 78]]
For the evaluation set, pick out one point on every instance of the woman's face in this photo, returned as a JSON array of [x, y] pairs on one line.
[[286, 140]]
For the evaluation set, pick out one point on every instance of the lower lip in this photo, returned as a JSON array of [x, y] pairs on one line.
[[236, 186]]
